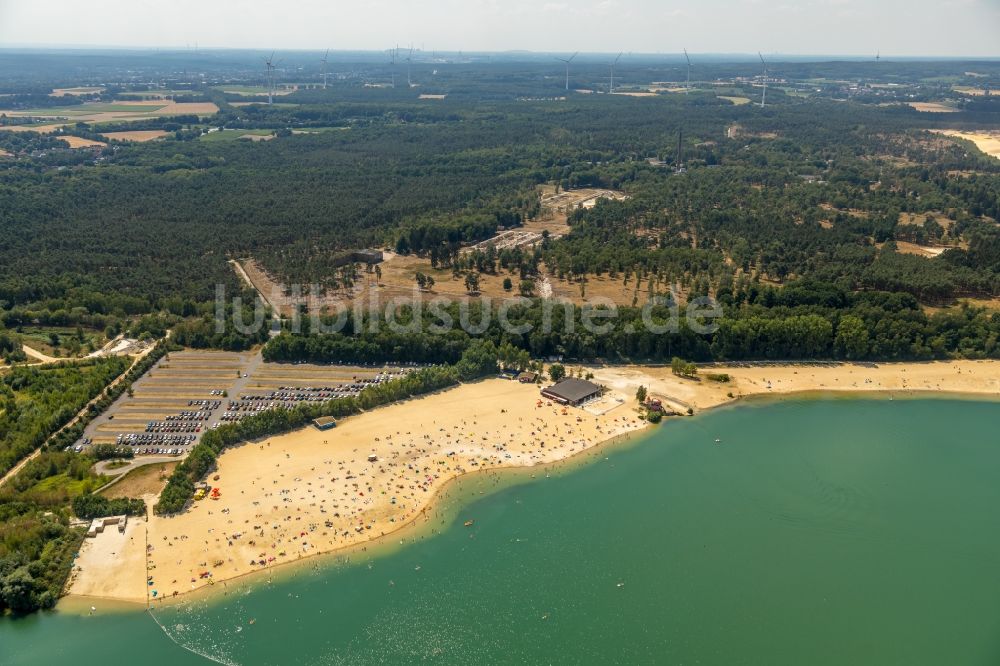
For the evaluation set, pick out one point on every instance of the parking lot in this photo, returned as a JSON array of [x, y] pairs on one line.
[[189, 392]]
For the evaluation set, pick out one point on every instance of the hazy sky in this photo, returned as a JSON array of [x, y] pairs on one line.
[[896, 27]]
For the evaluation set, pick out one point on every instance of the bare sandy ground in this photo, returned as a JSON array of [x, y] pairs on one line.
[[308, 492], [929, 251], [971, 377], [988, 142]]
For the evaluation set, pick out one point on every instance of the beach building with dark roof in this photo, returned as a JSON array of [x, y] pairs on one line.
[[325, 422], [572, 391]]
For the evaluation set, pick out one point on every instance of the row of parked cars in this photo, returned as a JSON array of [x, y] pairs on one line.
[[190, 416], [158, 451], [154, 439], [210, 405], [166, 426]]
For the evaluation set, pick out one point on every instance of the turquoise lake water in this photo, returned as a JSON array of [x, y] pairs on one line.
[[818, 531]]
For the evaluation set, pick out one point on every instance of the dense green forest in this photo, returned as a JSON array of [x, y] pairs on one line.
[[39, 400], [803, 320], [37, 544], [770, 191]]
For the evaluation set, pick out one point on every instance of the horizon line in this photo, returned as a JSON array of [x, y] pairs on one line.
[[197, 49]]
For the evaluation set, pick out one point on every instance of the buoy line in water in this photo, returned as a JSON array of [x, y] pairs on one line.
[[166, 633]]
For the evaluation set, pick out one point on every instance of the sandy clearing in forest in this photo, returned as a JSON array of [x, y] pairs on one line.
[[986, 141], [928, 251]]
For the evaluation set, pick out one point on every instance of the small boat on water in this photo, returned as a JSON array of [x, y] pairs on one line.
[[469, 523]]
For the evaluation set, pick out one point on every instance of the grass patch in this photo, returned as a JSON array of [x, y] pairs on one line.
[[63, 483], [233, 135]]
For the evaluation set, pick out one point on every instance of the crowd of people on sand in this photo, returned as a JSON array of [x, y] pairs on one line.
[[347, 500]]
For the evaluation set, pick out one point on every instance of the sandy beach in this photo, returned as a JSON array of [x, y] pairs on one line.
[[307, 492], [969, 377]]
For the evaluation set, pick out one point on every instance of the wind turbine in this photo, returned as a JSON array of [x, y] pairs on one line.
[[324, 67], [878, 56], [269, 64], [689, 71], [567, 61], [763, 97], [612, 87], [409, 59]]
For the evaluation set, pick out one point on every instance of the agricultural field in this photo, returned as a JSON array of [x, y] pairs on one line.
[[255, 91], [138, 136], [80, 142], [738, 101], [94, 112], [275, 105], [932, 107], [319, 130], [155, 94]]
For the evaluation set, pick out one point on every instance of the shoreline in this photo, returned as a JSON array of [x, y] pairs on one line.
[[311, 492], [408, 533], [746, 388], [381, 545]]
